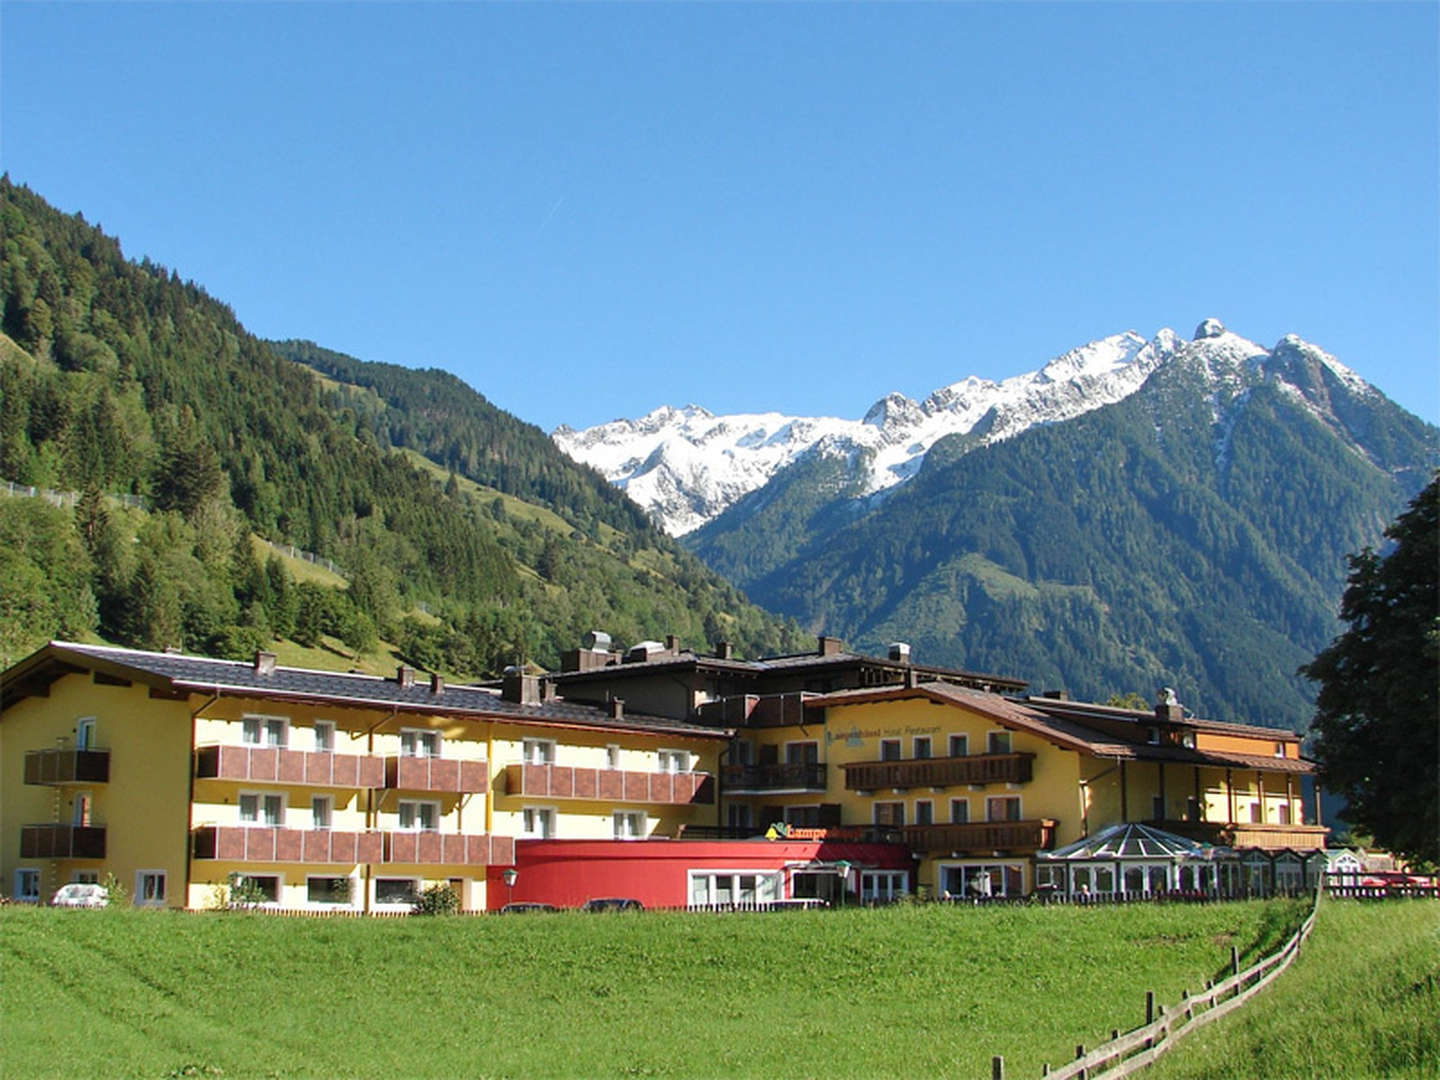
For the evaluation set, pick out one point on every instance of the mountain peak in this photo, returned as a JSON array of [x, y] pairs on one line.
[[1209, 328]]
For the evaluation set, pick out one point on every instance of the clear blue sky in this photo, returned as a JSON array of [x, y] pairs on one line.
[[587, 211]]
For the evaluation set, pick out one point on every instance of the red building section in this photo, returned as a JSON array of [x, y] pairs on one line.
[[567, 873]]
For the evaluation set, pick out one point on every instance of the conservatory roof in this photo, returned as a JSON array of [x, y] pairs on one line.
[[1132, 841]]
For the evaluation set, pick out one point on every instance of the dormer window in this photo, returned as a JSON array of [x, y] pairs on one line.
[[1188, 739], [1279, 749], [1154, 736]]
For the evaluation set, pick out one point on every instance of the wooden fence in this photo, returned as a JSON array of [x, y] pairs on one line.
[[1128, 1053]]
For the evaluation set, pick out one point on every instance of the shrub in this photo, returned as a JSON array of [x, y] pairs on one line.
[[438, 900]]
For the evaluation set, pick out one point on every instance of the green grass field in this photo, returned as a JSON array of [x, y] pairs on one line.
[[913, 990]]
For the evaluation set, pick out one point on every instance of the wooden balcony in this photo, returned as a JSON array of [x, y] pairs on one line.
[[67, 766], [300, 768], [62, 841], [774, 777], [448, 849], [1266, 836], [1010, 836], [437, 774], [245, 843], [938, 772], [609, 785]]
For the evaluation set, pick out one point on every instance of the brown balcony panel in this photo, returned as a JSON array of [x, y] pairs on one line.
[[236, 843], [67, 766], [939, 772], [801, 776], [1018, 836], [62, 841], [609, 785], [301, 768], [436, 774], [449, 849]]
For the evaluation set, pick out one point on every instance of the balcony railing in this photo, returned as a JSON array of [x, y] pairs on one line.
[[939, 772], [610, 785], [437, 774], [1014, 836], [777, 776], [265, 844], [62, 841], [272, 765], [67, 766], [1266, 835]]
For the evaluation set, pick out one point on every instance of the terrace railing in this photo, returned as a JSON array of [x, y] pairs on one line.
[[778, 776]]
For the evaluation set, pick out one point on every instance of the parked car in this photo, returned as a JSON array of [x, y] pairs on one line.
[[527, 907], [81, 894], [613, 903]]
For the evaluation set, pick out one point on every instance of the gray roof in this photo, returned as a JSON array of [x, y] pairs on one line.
[[1132, 841], [198, 674]]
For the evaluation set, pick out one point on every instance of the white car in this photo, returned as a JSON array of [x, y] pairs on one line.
[[80, 894]]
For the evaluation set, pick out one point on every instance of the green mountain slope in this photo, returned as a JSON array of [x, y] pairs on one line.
[[1192, 535], [118, 377]]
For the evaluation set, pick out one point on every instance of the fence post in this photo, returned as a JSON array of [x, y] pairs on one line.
[[1149, 1007], [1234, 960], [997, 1068]]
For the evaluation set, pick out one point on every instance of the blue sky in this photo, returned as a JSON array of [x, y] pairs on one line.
[[587, 211]]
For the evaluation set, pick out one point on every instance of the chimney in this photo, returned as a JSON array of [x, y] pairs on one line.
[[724, 650], [264, 663], [405, 676], [672, 643], [911, 679], [1167, 706], [900, 652], [437, 684], [520, 688], [830, 646], [617, 708]]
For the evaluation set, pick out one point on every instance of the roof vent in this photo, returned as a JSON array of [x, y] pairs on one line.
[[724, 650], [900, 652], [830, 646], [596, 641], [264, 663], [642, 651], [672, 643], [617, 708], [437, 684], [405, 676]]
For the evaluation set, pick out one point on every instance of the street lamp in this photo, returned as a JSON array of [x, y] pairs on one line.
[[510, 874]]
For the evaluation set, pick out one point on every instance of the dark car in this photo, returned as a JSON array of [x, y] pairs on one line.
[[528, 907], [613, 903]]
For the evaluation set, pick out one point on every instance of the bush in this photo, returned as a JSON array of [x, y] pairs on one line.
[[438, 900]]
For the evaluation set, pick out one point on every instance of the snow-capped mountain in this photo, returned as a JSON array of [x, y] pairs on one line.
[[687, 466]]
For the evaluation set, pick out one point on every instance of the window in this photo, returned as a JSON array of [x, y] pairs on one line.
[[674, 761], [418, 815], [1257, 813], [889, 749], [265, 730], [924, 812], [802, 753], [329, 890], [882, 886], [741, 887], [84, 808], [27, 885], [86, 877], [260, 809], [85, 733], [998, 742], [806, 817], [1284, 811], [1002, 808], [1154, 736], [322, 811], [150, 887], [959, 745], [262, 888], [920, 746], [1279, 749], [396, 890], [419, 742], [537, 822], [739, 816], [629, 824], [959, 811], [889, 813], [539, 751], [324, 736], [742, 752], [612, 756], [1192, 809], [979, 881]]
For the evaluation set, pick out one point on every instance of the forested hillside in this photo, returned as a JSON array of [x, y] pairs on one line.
[[119, 377], [1193, 535]]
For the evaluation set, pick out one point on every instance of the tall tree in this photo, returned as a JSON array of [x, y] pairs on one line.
[[1377, 718]]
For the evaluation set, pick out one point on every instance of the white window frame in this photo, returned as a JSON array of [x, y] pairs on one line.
[[995, 738], [899, 745], [965, 817], [142, 897], [331, 905], [774, 885], [85, 877], [279, 877], [884, 885], [85, 733], [328, 801], [875, 812], [998, 885], [422, 742], [674, 761], [262, 725], [964, 742], [915, 743], [930, 804], [629, 824], [530, 816], [25, 874], [260, 797], [415, 890], [1020, 813], [414, 805], [326, 744], [538, 751]]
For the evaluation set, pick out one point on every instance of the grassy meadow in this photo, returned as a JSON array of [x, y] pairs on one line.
[[910, 990]]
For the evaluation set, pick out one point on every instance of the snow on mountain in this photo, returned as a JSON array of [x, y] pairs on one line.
[[688, 465]]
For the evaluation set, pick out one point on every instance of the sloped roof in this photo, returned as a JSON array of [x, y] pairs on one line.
[[1132, 841], [197, 674]]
